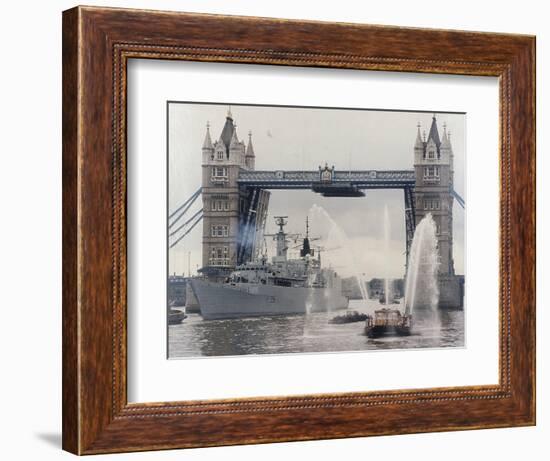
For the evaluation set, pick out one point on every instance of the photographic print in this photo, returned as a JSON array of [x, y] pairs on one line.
[[313, 229]]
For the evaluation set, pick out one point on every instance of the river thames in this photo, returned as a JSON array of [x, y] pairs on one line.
[[196, 337]]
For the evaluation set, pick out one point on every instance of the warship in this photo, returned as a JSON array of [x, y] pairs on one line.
[[281, 286]]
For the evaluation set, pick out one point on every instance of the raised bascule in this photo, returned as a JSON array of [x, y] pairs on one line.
[[235, 199]]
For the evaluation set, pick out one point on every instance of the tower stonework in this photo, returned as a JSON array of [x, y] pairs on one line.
[[222, 199], [433, 166], [434, 172]]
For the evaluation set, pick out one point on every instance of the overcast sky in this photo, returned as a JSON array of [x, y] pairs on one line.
[[303, 138]]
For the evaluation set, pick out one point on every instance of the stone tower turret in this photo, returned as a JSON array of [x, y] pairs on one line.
[[250, 158], [207, 146]]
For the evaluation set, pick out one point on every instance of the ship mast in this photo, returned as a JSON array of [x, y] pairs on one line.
[[306, 247], [280, 238]]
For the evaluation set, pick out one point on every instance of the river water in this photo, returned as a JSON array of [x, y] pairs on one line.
[[195, 337]]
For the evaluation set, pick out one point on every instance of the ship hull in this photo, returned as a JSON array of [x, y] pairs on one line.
[[379, 331], [224, 301]]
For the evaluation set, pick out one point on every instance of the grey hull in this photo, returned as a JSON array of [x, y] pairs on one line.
[[225, 301]]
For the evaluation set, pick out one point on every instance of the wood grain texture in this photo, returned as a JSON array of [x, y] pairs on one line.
[[70, 384], [97, 43]]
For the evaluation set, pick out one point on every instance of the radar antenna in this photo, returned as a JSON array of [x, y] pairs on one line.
[[281, 222]]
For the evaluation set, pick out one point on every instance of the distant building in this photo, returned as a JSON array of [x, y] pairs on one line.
[[177, 285], [377, 287]]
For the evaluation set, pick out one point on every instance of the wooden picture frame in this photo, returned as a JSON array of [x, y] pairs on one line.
[[97, 43]]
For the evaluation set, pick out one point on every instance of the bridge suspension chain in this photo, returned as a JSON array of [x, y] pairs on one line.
[[185, 223], [183, 208], [180, 238], [179, 213], [459, 199]]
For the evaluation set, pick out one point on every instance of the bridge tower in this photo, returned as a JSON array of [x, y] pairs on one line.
[[226, 206], [434, 176], [433, 165]]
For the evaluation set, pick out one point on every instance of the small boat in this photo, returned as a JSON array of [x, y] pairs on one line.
[[348, 317], [388, 322], [175, 316]]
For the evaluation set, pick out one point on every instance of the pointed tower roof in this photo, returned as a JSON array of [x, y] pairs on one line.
[[445, 140], [434, 134], [207, 144], [234, 138], [418, 143], [227, 131], [250, 147]]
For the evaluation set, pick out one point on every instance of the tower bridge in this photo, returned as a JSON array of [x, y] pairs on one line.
[[329, 183], [235, 199], [362, 179]]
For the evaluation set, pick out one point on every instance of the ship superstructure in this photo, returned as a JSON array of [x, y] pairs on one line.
[[282, 286]]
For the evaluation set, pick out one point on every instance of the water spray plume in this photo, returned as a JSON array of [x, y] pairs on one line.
[[421, 287]]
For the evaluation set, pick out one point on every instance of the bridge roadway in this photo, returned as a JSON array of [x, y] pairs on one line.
[[340, 184], [367, 179]]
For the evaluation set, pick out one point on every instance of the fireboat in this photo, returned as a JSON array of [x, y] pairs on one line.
[[388, 322]]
